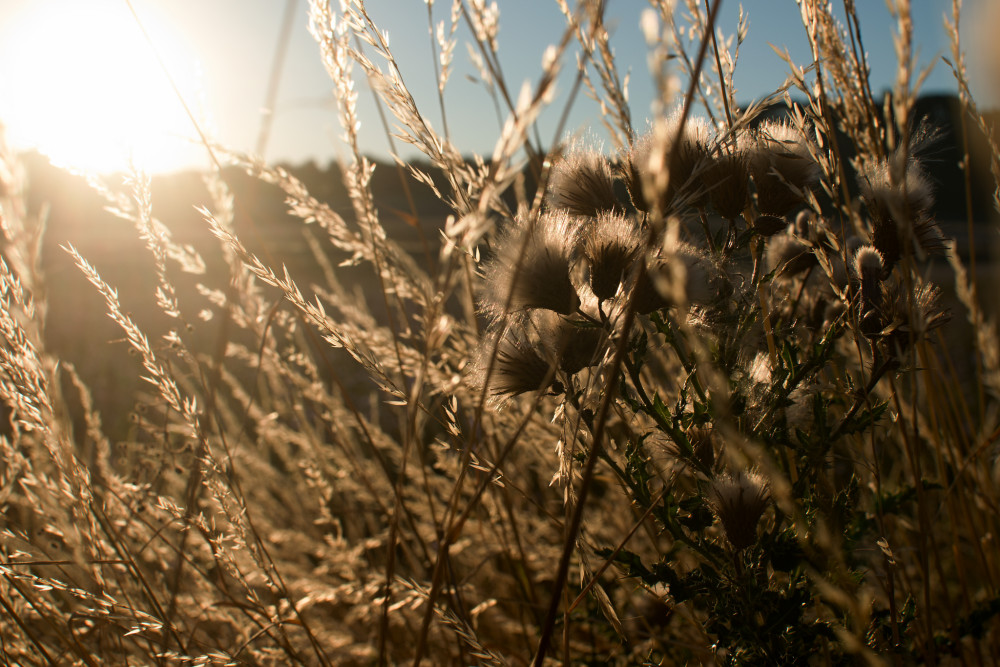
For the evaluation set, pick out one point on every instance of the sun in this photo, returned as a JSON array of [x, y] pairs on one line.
[[81, 83]]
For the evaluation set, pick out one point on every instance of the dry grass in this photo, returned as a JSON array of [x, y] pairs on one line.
[[658, 418]]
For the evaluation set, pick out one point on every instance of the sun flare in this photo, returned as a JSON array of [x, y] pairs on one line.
[[80, 82]]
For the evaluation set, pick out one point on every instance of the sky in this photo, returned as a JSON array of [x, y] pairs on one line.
[[79, 81]]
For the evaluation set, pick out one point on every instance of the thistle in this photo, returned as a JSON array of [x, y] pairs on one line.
[[533, 266], [788, 255], [867, 268], [910, 314], [683, 158], [782, 167], [521, 365], [899, 211], [739, 501], [573, 341], [726, 179], [581, 183], [680, 274], [611, 246]]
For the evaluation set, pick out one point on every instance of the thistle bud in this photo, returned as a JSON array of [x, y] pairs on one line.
[[867, 268]]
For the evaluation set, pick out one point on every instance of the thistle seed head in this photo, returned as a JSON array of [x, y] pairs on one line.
[[521, 365], [533, 267], [611, 246], [867, 265], [582, 183], [867, 269], [900, 210], [910, 315], [680, 274], [573, 341], [726, 178], [682, 158], [788, 254], [739, 501], [782, 167]]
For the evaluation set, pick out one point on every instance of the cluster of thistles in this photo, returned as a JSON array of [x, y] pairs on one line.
[[560, 278]]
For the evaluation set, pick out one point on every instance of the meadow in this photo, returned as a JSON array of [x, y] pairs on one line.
[[724, 391]]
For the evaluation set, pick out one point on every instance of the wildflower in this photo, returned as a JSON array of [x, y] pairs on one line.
[[893, 205], [581, 183], [682, 157], [782, 167], [532, 267], [739, 501], [611, 248]]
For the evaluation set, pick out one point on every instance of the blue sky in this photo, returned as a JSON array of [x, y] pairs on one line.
[[221, 52]]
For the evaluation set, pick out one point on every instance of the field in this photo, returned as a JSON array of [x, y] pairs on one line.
[[726, 393]]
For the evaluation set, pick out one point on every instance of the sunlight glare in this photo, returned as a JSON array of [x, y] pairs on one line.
[[79, 82]]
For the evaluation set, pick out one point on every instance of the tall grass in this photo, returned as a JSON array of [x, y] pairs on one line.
[[691, 401]]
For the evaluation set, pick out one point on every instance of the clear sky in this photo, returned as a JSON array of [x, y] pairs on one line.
[[78, 80]]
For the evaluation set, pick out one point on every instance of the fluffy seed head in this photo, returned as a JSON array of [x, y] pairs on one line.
[[867, 264], [726, 178], [867, 268], [573, 341], [739, 501], [545, 252], [679, 274], [611, 246], [581, 183], [900, 210], [915, 195], [910, 315], [789, 254], [680, 159], [521, 365], [782, 167]]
